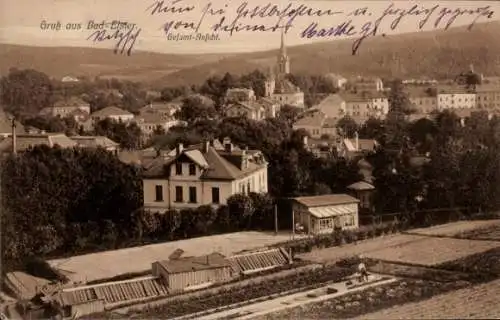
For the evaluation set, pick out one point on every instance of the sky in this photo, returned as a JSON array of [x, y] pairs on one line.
[[21, 21]]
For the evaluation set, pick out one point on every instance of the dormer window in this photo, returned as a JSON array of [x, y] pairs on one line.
[[192, 169], [178, 168]]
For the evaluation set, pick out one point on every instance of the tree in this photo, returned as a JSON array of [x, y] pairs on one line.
[[25, 91], [241, 209], [347, 127], [196, 108]]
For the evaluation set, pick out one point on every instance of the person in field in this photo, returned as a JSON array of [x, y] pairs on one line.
[[363, 273]]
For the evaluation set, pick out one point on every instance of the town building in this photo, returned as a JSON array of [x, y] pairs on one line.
[[112, 113], [422, 102], [277, 87], [325, 213], [488, 97], [450, 99], [69, 79], [317, 124], [149, 122], [192, 273], [363, 107], [66, 108], [351, 148], [203, 174], [166, 110], [366, 84], [323, 147], [363, 191], [96, 142], [244, 102], [22, 142], [333, 106]]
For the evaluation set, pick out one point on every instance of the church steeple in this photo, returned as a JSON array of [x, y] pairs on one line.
[[283, 59]]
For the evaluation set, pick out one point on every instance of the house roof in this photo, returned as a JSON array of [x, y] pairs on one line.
[[315, 119], [94, 141], [212, 261], [259, 260], [330, 105], [71, 102], [166, 106], [330, 122], [285, 86], [111, 111], [217, 164], [361, 186], [26, 141], [151, 118], [326, 200], [350, 97], [363, 144], [249, 105]]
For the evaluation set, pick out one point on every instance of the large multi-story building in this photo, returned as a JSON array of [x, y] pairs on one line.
[[360, 84], [204, 174], [455, 99], [66, 108], [244, 102], [277, 87], [362, 107], [488, 97]]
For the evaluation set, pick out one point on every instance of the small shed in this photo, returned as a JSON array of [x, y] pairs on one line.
[[191, 273], [322, 214], [364, 192]]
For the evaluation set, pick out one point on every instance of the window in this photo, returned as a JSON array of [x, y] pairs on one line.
[[178, 168], [192, 194], [178, 194], [325, 224], [192, 169], [159, 193], [215, 195], [348, 220]]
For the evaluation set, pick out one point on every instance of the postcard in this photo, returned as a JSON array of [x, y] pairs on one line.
[[249, 159]]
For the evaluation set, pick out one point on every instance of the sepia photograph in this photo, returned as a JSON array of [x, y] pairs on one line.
[[248, 159]]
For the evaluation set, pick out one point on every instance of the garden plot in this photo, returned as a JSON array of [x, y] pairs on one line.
[[369, 300], [491, 233], [431, 251], [478, 302], [455, 228]]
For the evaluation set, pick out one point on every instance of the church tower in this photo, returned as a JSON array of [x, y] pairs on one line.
[[270, 82], [283, 59]]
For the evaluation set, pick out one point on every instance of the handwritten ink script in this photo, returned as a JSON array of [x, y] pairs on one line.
[[123, 34], [331, 22]]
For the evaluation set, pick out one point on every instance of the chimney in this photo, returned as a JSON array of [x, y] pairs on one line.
[[14, 145], [304, 140], [356, 140], [179, 148], [206, 146]]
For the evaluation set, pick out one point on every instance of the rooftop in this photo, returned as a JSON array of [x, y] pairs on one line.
[[25, 141], [326, 200], [94, 141], [361, 186], [216, 162], [331, 106], [71, 102], [212, 261], [111, 111], [315, 119]]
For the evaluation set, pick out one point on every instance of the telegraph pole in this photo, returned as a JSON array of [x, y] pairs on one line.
[[276, 219]]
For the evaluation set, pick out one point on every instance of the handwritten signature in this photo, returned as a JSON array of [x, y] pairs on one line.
[[284, 16], [371, 28], [125, 39]]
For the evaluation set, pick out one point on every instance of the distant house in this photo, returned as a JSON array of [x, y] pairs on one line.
[[149, 122], [96, 142], [164, 109], [368, 84], [204, 174], [113, 113], [68, 107], [363, 191], [192, 273], [422, 102], [239, 94], [69, 79], [323, 214], [317, 124], [453, 98], [26, 141], [488, 97], [243, 102], [350, 148]]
